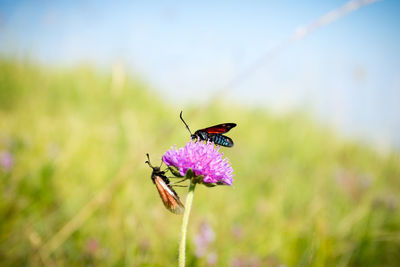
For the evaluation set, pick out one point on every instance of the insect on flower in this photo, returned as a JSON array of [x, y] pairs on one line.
[[213, 133], [168, 195]]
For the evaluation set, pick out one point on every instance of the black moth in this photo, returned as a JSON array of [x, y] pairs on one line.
[[213, 133]]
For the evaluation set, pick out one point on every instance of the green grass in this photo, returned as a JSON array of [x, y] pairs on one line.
[[302, 196]]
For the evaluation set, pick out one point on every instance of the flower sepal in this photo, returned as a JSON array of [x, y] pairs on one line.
[[198, 179], [175, 171], [192, 176]]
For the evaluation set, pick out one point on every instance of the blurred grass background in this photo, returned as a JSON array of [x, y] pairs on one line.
[[75, 189]]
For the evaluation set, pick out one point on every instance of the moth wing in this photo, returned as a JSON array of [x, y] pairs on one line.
[[169, 197], [220, 128]]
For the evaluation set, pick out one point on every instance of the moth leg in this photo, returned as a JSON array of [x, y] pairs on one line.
[[178, 181], [168, 169]]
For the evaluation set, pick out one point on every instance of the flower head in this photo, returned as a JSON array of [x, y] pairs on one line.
[[204, 159]]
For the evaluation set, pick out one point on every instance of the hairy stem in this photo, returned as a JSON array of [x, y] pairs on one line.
[[185, 222]]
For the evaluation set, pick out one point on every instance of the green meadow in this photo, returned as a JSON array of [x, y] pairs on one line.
[[74, 188]]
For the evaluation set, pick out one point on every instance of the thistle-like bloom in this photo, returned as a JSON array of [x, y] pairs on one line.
[[204, 159]]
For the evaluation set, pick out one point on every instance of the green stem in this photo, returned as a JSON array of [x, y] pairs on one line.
[[185, 222]]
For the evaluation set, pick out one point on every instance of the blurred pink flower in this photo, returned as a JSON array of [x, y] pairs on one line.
[[6, 161], [212, 258], [92, 246], [203, 239], [237, 231], [249, 261]]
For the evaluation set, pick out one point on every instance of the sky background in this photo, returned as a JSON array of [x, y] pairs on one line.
[[347, 73]]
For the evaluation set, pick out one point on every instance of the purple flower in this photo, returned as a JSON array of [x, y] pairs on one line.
[[204, 159], [6, 161]]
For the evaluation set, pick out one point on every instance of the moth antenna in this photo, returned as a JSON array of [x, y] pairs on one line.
[[148, 160], [187, 127]]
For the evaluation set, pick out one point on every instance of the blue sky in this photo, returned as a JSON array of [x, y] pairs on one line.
[[346, 73]]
